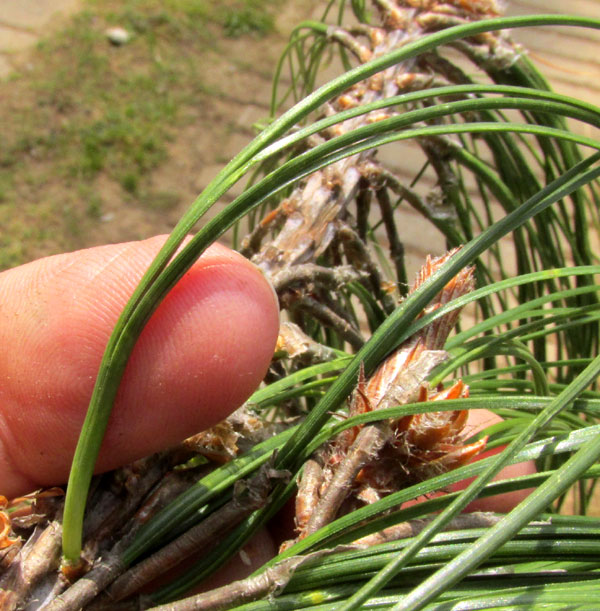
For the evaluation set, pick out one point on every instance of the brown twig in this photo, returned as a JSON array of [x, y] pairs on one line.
[[247, 498], [368, 442], [331, 278], [412, 528], [93, 583], [328, 317], [38, 557], [238, 592], [268, 582], [307, 497]]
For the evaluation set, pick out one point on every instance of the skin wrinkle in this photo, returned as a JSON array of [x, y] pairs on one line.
[[160, 396], [10, 470], [113, 296], [102, 315], [29, 290]]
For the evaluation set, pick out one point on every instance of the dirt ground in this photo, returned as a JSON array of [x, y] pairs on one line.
[[215, 131], [50, 214], [47, 212]]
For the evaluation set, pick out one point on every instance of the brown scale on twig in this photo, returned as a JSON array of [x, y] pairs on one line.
[[366, 462], [305, 226]]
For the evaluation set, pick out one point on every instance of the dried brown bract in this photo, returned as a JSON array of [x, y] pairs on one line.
[[366, 462], [7, 537]]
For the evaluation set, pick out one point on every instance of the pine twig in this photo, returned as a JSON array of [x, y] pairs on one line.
[[38, 557], [328, 317], [316, 275], [366, 446], [248, 497], [93, 583], [238, 592], [275, 578], [412, 528]]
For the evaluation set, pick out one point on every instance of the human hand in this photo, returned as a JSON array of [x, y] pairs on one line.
[[203, 352]]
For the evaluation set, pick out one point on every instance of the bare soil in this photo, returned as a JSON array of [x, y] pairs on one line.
[[47, 212]]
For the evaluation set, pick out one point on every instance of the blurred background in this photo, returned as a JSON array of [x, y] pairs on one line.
[[115, 114]]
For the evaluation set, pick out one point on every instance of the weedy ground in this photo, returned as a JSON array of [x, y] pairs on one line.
[[104, 143]]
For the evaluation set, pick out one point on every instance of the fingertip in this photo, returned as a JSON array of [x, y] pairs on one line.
[[206, 348], [202, 353]]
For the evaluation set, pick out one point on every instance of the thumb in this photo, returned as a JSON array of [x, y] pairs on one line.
[[202, 353]]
